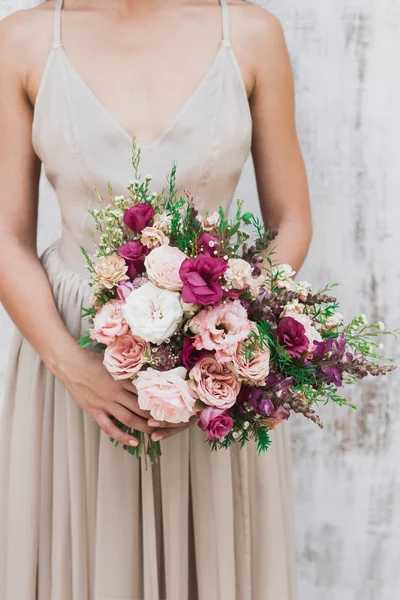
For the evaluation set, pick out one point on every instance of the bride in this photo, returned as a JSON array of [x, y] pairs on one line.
[[197, 81]]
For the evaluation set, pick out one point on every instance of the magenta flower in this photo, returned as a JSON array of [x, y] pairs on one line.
[[189, 356], [134, 254], [203, 243], [138, 217], [216, 422], [292, 335], [199, 276]]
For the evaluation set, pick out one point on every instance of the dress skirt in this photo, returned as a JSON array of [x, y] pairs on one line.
[[83, 520]]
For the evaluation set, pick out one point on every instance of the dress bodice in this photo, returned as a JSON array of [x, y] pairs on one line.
[[82, 146]]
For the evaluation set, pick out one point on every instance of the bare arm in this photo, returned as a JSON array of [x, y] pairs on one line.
[[281, 177], [24, 287]]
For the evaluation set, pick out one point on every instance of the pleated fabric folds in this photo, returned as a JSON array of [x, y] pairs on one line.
[[83, 520]]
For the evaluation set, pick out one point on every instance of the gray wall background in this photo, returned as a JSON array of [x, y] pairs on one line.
[[347, 477]]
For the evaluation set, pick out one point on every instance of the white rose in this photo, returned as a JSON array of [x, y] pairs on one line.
[[162, 267], [153, 314]]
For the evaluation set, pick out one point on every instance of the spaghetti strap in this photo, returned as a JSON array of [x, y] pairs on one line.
[[225, 23], [57, 24]]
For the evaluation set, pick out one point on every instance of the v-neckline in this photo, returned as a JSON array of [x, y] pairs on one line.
[[173, 122]]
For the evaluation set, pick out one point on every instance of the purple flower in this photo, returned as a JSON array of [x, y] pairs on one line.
[[189, 356], [250, 395], [199, 276], [134, 254], [138, 217], [266, 408], [216, 422], [332, 375], [292, 335], [203, 243]]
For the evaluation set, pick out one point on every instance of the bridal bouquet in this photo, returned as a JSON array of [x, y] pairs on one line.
[[193, 309]]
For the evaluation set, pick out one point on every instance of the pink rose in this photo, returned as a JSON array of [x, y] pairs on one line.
[[199, 276], [221, 329], [166, 395], [109, 323], [254, 370], [213, 383], [125, 357], [138, 217], [162, 267], [134, 254], [215, 422]]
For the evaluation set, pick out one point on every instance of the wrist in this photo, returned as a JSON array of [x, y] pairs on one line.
[[64, 354]]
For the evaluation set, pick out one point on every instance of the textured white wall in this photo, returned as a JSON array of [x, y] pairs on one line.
[[347, 477]]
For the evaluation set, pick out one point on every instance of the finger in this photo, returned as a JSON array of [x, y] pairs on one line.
[[129, 386], [105, 423], [162, 434], [164, 424], [130, 401], [130, 419]]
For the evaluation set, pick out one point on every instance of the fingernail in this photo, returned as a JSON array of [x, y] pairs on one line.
[[133, 443], [156, 437], [154, 423]]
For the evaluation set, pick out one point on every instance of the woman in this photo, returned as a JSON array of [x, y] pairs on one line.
[[80, 519]]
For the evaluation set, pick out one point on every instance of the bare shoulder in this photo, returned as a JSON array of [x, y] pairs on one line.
[[24, 35], [256, 25]]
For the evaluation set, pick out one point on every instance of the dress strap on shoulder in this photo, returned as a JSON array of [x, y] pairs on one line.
[[225, 23], [57, 24]]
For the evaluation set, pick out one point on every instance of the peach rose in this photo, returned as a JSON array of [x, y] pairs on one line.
[[221, 329], [109, 323], [152, 237], [311, 333], [110, 270], [162, 267], [253, 371], [126, 356], [239, 274], [213, 383], [166, 395]]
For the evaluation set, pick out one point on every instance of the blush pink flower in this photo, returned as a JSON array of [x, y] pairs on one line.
[[109, 323], [221, 329], [216, 422], [252, 370], [213, 383], [126, 356], [162, 267], [166, 394]]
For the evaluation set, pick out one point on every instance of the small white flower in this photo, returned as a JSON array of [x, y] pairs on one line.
[[246, 425], [119, 198], [149, 177], [235, 435], [364, 319], [211, 244], [381, 326]]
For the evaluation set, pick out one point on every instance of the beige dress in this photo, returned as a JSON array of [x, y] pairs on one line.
[[80, 519]]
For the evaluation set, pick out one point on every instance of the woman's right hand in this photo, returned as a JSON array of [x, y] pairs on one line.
[[95, 391]]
